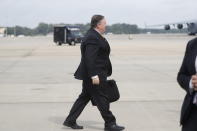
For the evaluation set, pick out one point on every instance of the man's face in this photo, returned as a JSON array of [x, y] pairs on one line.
[[102, 25]]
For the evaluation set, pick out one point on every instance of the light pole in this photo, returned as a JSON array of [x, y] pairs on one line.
[[15, 31]]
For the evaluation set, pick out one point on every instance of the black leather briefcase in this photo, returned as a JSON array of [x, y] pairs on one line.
[[111, 90]]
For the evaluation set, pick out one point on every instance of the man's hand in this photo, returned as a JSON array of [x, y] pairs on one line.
[[194, 82], [95, 81]]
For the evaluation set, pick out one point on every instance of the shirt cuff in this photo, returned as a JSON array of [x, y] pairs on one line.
[[191, 88], [93, 77]]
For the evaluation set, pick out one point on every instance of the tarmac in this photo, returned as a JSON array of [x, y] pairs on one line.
[[37, 87]]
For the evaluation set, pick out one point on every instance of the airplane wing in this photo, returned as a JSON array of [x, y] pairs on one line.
[[191, 26], [175, 23]]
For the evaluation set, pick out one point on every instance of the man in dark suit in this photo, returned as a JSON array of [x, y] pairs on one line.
[[187, 79], [94, 68]]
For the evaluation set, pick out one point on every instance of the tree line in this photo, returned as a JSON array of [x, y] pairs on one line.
[[118, 28]]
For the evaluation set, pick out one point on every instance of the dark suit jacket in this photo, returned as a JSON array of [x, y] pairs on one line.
[[184, 75], [95, 60]]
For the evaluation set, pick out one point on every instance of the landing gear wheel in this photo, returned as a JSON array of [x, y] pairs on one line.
[[192, 34]]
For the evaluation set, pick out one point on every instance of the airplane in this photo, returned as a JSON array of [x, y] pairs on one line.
[[191, 26]]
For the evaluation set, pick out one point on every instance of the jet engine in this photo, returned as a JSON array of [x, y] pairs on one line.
[[180, 26], [167, 27]]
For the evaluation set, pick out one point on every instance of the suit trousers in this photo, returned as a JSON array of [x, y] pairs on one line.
[[89, 92], [190, 124]]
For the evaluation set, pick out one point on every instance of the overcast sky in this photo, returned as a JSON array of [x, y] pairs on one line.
[[30, 12]]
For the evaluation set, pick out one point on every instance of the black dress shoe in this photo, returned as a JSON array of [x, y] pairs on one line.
[[114, 127], [72, 125]]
